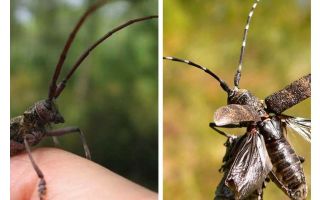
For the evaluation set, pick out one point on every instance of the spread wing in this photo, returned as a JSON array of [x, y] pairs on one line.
[[223, 192], [250, 166], [300, 125]]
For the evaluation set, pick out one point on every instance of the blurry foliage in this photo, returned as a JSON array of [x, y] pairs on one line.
[[112, 97], [210, 33]]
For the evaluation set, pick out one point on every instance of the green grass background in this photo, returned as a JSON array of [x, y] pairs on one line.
[[112, 97]]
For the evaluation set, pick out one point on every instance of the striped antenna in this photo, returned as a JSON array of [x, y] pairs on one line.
[[245, 34], [223, 84], [63, 55], [86, 53]]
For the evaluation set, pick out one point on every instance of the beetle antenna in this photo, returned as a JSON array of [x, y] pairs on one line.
[[223, 84], [63, 55], [244, 40], [85, 54]]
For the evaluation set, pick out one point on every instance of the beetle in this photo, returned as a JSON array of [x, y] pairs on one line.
[[264, 149], [30, 128]]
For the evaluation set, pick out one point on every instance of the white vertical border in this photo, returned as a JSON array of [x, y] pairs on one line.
[[315, 98], [160, 100], [4, 99]]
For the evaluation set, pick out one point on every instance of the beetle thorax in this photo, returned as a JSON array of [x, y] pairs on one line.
[[244, 97]]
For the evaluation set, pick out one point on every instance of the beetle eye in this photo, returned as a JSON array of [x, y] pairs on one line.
[[47, 105]]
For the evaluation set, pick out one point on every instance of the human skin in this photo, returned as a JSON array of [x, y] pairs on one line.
[[69, 176]]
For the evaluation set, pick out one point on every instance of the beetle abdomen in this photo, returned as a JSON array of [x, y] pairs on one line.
[[287, 168]]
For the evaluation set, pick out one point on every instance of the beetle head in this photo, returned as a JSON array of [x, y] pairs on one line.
[[48, 112], [239, 96]]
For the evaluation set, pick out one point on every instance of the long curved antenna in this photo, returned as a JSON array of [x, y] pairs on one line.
[[63, 55], [223, 84], [84, 55], [245, 34]]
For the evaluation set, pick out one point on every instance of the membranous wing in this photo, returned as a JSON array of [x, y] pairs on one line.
[[250, 166], [223, 192], [300, 125], [289, 96]]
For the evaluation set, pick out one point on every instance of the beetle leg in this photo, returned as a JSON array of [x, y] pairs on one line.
[[301, 159], [221, 132], [212, 124], [55, 141], [42, 184], [67, 130]]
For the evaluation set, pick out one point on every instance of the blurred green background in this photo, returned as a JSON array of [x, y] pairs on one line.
[[113, 96], [210, 33]]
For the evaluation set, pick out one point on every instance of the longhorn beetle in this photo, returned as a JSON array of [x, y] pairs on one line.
[[30, 128], [263, 151]]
